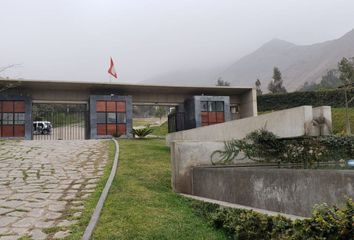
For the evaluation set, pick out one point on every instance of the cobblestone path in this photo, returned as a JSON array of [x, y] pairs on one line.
[[42, 180]]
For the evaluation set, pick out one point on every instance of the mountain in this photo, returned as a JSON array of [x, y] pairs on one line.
[[298, 64], [199, 77]]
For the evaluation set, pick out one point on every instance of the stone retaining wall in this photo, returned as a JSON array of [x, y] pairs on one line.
[[291, 191]]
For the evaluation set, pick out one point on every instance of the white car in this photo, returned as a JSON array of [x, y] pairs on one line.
[[42, 127]]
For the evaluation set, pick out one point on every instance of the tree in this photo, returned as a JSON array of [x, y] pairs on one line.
[[276, 85], [160, 112], [221, 82], [346, 69], [9, 85], [258, 87]]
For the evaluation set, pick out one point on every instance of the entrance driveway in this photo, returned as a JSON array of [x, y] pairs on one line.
[[40, 180]]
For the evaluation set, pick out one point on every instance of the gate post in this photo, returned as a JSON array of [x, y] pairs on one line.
[[110, 115]]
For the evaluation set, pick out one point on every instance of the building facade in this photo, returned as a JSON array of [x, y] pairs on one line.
[[109, 106]]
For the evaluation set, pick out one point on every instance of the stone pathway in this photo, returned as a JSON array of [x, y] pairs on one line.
[[42, 180]]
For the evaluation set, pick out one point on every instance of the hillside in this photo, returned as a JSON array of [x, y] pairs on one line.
[[298, 64]]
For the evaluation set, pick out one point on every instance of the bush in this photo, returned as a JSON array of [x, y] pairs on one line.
[[325, 223], [263, 146], [274, 102], [142, 132]]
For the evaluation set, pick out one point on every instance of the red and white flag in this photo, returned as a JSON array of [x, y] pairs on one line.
[[111, 69]]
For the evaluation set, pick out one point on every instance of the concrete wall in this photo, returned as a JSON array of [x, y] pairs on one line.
[[248, 104], [286, 123], [281, 190], [194, 147]]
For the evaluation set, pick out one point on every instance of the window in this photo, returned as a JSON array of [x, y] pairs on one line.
[[7, 118], [219, 106], [211, 107], [235, 109], [12, 118], [101, 117], [19, 118], [212, 112], [121, 118], [111, 117], [204, 106]]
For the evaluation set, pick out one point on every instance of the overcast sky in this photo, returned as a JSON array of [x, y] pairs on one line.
[[73, 39]]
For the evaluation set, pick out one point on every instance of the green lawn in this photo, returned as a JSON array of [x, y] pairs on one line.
[[338, 120], [141, 204], [161, 130]]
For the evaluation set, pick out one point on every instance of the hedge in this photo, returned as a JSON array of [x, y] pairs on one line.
[[326, 223], [334, 98]]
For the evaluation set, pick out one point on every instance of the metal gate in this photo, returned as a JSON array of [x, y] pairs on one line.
[[59, 122]]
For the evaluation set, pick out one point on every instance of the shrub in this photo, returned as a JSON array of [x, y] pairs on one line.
[[325, 223], [142, 132], [273, 102], [263, 146]]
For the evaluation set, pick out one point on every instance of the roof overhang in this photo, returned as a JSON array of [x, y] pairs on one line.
[[126, 88]]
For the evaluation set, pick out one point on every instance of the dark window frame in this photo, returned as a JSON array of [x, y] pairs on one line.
[[215, 107], [13, 113], [106, 112]]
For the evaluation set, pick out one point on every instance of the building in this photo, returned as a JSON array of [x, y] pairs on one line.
[[108, 106]]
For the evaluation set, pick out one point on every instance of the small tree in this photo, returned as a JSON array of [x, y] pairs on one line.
[[160, 112], [276, 85], [346, 69], [9, 85], [221, 82], [258, 87]]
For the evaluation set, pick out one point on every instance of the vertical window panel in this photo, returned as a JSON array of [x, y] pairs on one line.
[[203, 106], [7, 118], [121, 129], [111, 129], [121, 106], [7, 130], [121, 118], [220, 117], [100, 106], [111, 117], [19, 106], [101, 129], [19, 131], [212, 117], [219, 106], [19, 118], [101, 117], [8, 106], [111, 106], [205, 117]]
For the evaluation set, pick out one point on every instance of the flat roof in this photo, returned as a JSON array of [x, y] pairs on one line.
[[124, 87]]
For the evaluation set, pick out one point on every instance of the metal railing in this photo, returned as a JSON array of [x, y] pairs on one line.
[[60, 125]]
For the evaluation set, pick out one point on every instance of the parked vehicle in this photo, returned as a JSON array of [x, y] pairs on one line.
[[42, 127]]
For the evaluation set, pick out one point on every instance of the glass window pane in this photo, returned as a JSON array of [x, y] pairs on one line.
[[19, 118], [121, 118], [7, 118], [111, 117], [101, 117], [211, 106], [204, 106], [219, 106]]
